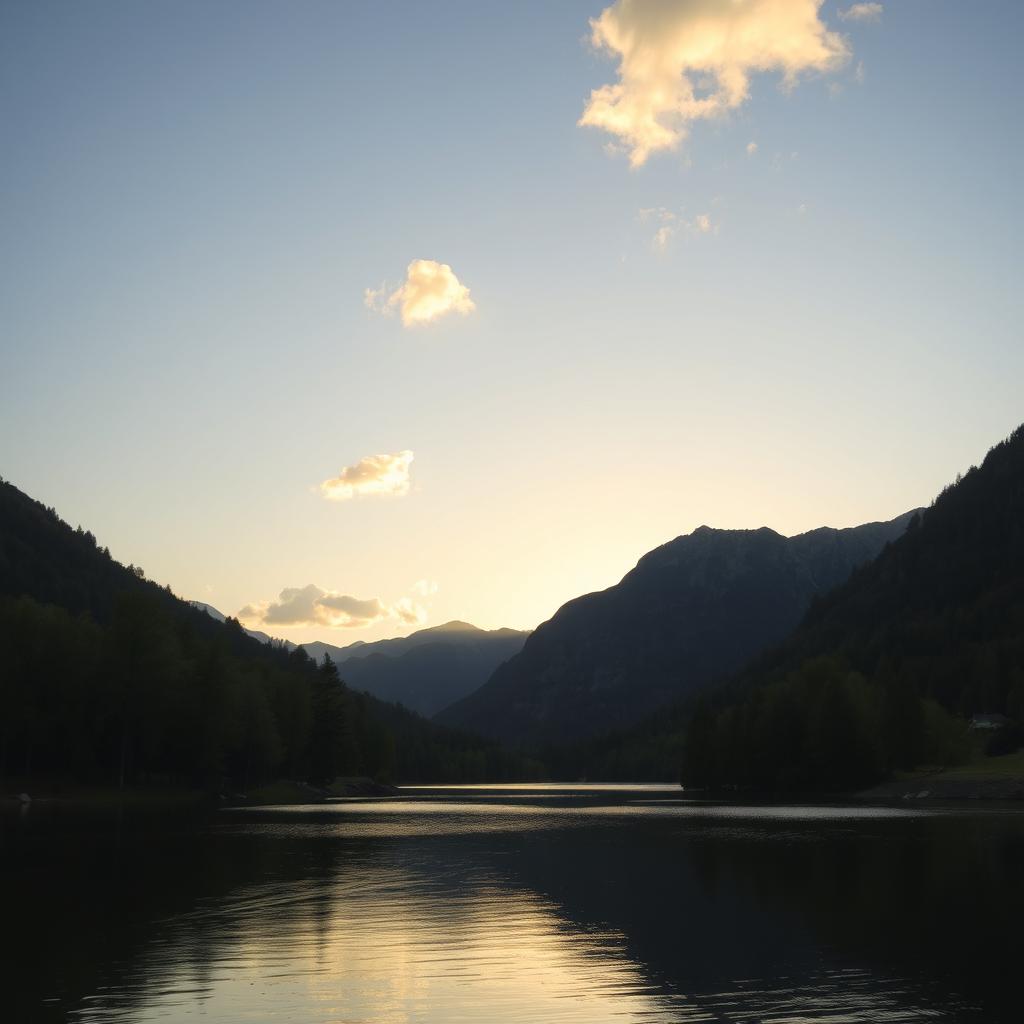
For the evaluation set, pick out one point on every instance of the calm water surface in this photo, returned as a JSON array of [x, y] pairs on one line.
[[515, 904]]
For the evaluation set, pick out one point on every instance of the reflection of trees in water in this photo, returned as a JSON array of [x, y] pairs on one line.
[[118, 906], [927, 901], [102, 895]]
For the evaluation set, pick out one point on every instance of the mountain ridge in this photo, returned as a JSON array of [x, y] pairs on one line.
[[694, 608]]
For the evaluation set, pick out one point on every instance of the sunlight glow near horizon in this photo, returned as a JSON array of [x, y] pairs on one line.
[[198, 203]]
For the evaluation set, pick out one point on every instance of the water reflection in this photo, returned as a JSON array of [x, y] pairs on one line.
[[515, 906]]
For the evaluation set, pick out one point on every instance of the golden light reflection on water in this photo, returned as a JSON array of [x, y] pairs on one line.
[[394, 947], [427, 910]]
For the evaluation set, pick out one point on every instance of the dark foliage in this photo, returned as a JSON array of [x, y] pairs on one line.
[[108, 678], [691, 611], [885, 670]]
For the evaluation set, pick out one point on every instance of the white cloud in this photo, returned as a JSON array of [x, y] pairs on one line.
[[313, 606], [430, 291], [751, 148], [862, 12], [376, 474], [686, 60]]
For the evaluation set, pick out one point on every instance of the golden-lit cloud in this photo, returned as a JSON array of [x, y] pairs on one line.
[[376, 474], [751, 148], [313, 606], [431, 290], [862, 12], [410, 612], [688, 60], [425, 588]]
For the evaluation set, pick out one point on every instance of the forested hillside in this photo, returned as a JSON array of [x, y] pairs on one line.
[[108, 678], [691, 611], [884, 670]]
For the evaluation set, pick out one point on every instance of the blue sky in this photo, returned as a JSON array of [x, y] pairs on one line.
[[195, 198]]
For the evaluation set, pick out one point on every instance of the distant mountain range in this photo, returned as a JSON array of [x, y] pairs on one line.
[[692, 610], [425, 671], [107, 676]]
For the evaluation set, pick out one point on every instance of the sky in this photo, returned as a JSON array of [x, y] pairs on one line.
[[360, 317]]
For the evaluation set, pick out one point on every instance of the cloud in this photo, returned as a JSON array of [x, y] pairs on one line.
[[376, 474], [663, 236], [410, 612], [431, 290], [862, 12], [313, 606], [673, 224], [751, 148], [686, 60], [425, 588]]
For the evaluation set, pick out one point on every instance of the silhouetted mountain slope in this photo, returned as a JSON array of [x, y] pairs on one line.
[[935, 622], [424, 671], [692, 610], [256, 634], [427, 670], [107, 677]]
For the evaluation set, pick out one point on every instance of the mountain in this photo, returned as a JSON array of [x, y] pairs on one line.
[[692, 610], [108, 678], [883, 672], [427, 670], [256, 634], [424, 671]]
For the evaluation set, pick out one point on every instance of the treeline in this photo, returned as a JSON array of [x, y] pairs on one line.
[[823, 728], [886, 670], [107, 678], [151, 700]]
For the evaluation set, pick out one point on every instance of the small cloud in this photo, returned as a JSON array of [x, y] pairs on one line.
[[425, 588], [376, 474], [751, 148], [684, 62], [862, 12], [802, 209], [410, 612], [859, 73], [431, 290], [663, 236], [673, 224], [377, 299], [313, 606]]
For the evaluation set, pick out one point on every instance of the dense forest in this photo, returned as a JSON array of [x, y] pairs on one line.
[[109, 679], [885, 671]]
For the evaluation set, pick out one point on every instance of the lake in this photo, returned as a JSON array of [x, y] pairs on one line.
[[514, 904]]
